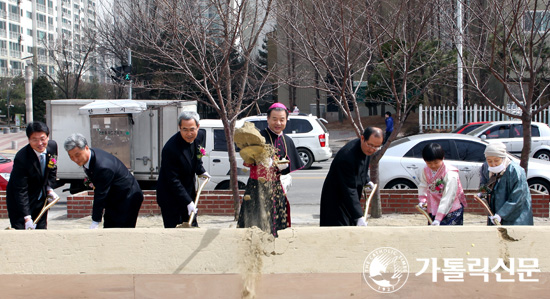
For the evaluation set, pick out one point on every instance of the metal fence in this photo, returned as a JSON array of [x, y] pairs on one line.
[[444, 118]]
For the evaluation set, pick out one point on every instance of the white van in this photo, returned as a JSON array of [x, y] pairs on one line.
[[216, 161]]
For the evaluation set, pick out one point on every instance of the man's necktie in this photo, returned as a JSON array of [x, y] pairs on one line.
[[43, 163]]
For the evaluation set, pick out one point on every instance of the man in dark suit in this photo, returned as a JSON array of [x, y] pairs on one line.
[[116, 190], [348, 173], [32, 179], [181, 161]]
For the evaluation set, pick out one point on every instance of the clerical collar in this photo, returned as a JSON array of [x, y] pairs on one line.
[[281, 134]]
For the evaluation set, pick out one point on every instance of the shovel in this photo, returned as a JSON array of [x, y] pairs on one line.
[[192, 217], [421, 210], [45, 208], [367, 204], [486, 206]]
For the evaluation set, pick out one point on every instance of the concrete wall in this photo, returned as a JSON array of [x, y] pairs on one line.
[[232, 263]]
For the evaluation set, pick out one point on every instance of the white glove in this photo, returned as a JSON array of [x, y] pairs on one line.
[[94, 225], [362, 222], [423, 205], [370, 184], [51, 196], [496, 217], [205, 175], [283, 166], [191, 208], [436, 223], [29, 224]]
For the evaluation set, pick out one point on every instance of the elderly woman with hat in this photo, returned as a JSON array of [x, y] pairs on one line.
[[509, 196]]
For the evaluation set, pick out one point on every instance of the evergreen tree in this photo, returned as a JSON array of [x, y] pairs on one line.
[[42, 90]]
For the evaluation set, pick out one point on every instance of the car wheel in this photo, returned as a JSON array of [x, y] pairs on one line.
[[306, 156], [225, 186], [543, 155], [400, 185], [539, 185]]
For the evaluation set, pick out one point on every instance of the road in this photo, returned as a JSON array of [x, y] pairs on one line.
[[305, 193]]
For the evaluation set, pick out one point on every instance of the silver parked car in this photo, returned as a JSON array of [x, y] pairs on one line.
[[511, 134], [308, 133], [402, 164]]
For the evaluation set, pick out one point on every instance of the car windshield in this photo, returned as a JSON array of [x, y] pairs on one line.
[[4, 159], [459, 128], [398, 142], [480, 129]]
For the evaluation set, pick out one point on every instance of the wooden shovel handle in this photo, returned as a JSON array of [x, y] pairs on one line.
[[367, 203]]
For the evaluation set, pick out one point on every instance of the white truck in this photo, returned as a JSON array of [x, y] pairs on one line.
[[133, 130]]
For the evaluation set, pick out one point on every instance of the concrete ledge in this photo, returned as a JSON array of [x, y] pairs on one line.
[[222, 251]]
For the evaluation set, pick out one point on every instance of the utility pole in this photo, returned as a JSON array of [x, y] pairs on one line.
[[130, 66], [459, 83], [28, 94]]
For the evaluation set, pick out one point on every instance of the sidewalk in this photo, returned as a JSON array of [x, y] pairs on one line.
[[7, 142]]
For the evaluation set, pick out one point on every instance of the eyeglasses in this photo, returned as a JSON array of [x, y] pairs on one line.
[[37, 140], [186, 130], [372, 146]]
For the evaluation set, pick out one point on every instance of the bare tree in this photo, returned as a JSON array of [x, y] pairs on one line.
[[73, 57], [411, 58], [334, 39], [507, 57], [203, 50], [397, 44]]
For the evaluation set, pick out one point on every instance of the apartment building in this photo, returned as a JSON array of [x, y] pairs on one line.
[[30, 28]]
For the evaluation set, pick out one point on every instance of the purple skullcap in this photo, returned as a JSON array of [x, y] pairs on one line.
[[278, 105]]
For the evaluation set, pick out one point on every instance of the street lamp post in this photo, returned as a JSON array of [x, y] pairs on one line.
[[9, 103]]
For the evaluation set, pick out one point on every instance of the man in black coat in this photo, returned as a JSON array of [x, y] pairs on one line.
[[32, 179], [116, 190], [181, 161], [348, 173]]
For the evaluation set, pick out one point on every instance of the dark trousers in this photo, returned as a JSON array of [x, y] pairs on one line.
[[172, 217], [18, 222], [127, 219], [387, 136]]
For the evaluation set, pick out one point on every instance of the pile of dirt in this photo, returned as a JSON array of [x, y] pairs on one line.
[[252, 144]]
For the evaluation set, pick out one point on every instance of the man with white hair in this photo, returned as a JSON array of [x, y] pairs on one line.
[[509, 196], [116, 190], [181, 161]]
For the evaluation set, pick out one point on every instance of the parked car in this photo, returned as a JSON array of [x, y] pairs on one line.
[[402, 164], [467, 128], [511, 134], [6, 166], [308, 133]]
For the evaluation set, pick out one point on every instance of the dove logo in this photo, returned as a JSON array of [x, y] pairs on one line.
[[386, 270]]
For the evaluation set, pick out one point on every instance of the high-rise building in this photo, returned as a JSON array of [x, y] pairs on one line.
[[29, 29]]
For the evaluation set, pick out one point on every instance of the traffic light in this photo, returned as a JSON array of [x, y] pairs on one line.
[[127, 72], [118, 73], [122, 73]]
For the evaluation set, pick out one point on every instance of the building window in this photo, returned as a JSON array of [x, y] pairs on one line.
[[536, 20]]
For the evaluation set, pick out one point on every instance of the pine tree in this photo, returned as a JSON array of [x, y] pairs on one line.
[[42, 90]]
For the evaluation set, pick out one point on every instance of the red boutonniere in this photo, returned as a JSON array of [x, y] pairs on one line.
[[202, 152]]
